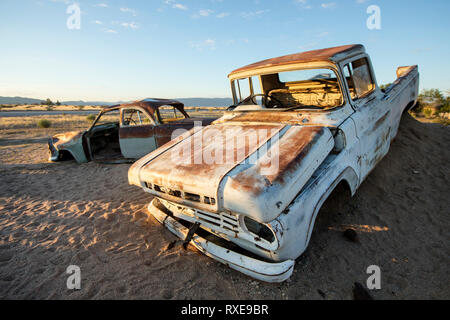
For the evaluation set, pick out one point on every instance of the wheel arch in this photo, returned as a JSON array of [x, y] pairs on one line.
[[349, 179]]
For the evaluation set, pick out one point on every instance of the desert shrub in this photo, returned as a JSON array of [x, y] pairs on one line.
[[383, 87], [47, 102], [431, 96], [427, 112], [445, 105], [80, 107], [444, 109], [44, 123], [91, 117]]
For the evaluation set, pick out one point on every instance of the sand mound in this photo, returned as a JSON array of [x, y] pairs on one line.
[[55, 215]]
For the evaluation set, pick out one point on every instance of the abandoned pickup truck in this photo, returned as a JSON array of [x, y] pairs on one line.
[[247, 189], [123, 132]]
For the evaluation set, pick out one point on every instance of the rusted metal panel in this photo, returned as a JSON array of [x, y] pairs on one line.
[[185, 168], [263, 191], [330, 54], [143, 131], [152, 104]]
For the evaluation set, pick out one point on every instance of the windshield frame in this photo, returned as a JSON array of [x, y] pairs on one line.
[[280, 69]]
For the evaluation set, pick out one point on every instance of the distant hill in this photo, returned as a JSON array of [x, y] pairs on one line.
[[89, 103], [193, 102], [18, 100]]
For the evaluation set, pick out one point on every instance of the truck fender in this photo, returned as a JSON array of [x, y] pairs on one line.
[[348, 176]]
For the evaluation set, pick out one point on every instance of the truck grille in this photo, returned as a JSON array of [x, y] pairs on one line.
[[222, 221], [180, 194]]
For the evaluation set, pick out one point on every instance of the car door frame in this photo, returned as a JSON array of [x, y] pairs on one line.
[[137, 140], [87, 135], [372, 118]]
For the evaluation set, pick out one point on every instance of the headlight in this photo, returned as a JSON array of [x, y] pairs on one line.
[[259, 229]]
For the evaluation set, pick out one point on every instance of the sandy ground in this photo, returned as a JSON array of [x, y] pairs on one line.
[[56, 215]]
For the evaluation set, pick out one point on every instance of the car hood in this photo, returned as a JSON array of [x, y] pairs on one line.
[[252, 169], [67, 137]]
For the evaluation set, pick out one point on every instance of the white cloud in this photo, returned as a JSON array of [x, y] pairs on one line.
[[303, 4], [109, 31], [180, 6], [62, 1], [175, 5], [205, 12], [128, 10], [102, 5], [223, 15], [328, 5], [253, 14], [209, 44], [131, 25]]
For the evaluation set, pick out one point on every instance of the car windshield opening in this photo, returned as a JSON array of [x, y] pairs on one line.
[[305, 88]]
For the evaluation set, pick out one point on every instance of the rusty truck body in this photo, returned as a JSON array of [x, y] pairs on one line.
[[124, 132], [300, 126]]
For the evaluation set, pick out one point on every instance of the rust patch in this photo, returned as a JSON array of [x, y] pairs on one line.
[[194, 173], [293, 146], [137, 132], [309, 56], [380, 122], [267, 117], [151, 105]]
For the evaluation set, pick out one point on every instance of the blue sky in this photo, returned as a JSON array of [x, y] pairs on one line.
[[134, 49]]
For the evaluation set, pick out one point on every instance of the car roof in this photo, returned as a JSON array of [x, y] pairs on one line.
[[150, 105]]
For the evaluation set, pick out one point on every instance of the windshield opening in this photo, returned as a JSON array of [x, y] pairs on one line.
[[306, 88], [109, 117]]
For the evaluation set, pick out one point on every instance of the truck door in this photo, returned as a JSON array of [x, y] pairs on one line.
[[372, 115], [136, 133]]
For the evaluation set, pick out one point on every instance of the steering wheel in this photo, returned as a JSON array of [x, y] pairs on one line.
[[271, 102]]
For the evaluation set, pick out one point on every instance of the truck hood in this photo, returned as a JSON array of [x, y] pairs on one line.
[[253, 170]]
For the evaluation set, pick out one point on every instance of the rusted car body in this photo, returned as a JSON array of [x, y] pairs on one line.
[[130, 131], [320, 121]]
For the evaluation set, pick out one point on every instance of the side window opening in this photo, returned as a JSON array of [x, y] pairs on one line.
[[169, 114], [359, 79], [243, 88], [135, 117]]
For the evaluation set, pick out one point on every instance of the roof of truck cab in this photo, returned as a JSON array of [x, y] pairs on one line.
[[329, 54]]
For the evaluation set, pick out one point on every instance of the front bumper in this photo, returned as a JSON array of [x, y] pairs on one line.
[[258, 269]]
